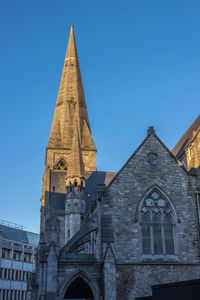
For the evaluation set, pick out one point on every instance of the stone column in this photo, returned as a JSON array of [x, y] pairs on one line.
[[109, 274], [52, 266]]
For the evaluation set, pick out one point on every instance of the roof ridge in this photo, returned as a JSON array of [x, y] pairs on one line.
[[186, 136]]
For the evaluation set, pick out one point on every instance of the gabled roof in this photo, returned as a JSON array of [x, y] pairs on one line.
[[186, 139], [149, 133]]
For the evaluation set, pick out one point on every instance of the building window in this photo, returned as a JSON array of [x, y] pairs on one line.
[[4, 294], [5, 273], [28, 276], [16, 255], [61, 165], [20, 275], [17, 274], [5, 253], [27, 257], [10, 274], [13, 274], [23, 278], [157, 225], [198, 204]]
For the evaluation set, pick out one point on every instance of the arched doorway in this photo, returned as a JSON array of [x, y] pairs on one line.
[[79, 290]]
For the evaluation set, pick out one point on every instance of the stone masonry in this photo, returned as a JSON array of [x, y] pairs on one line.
[[106, 235]]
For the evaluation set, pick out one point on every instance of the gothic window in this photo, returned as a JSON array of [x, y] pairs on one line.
[[61, 165], [157, 225]]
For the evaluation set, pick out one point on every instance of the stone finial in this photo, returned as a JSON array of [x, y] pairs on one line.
[[151, 130]]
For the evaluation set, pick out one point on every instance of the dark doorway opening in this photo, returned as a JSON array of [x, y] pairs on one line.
[[79, 289]]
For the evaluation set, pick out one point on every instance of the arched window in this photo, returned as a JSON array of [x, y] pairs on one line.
[[61, 165], [157, 225]]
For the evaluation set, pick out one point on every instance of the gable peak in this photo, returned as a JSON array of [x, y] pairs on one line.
[[151, 130]]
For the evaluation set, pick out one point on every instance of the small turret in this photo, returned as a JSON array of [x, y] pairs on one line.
[[75, 185]]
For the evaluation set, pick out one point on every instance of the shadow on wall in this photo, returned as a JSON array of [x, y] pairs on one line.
[[183, 290]]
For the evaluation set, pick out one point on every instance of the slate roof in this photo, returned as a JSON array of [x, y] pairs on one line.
[[186, 139], [92, 181]]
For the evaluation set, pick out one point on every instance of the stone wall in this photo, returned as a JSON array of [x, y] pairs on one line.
[[128, 189], [193, 152], [136, 280]]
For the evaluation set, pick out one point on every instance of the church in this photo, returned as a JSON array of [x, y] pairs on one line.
[[112, 235]]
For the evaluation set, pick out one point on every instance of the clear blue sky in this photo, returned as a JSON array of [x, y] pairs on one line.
[[140, 64]]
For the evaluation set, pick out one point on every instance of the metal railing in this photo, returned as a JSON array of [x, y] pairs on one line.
[[11, 224]]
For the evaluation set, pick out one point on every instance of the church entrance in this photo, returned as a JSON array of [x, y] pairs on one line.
[[79, 290]]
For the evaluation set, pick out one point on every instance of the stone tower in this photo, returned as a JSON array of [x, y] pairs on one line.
[[70, 118]]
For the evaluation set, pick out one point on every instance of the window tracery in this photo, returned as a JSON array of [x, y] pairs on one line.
[[157, 225], [61, 165]]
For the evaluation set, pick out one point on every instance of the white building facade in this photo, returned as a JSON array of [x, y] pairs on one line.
[[17, 260]]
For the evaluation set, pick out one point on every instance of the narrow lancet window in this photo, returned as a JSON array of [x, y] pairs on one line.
[[146, 235], [157, 234], [169, 234]]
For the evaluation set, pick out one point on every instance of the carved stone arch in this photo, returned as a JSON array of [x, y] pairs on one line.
[[61, 164], [83, 274], [75, 181], [69, 182], [150, 190]]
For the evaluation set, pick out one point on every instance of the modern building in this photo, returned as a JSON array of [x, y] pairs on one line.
[[107, 235], [17, 260]]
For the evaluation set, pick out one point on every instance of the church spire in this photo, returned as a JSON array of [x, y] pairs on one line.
[[70, 105], [76, 168]]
